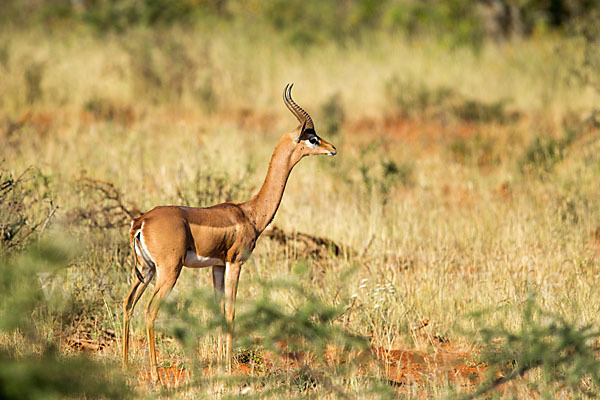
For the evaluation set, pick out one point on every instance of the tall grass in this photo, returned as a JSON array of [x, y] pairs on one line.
[[446, 209]]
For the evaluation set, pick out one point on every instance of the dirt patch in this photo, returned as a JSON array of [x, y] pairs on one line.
[[87, 336], [401, 367], [417, 367]]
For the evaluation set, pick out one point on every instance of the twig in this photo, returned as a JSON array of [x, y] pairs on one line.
[[110, 192], [315, 245], [50, 215]]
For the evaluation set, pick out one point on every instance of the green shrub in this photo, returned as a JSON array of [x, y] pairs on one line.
[[562, 351], [264, 324], [33, 75], [36, 370], [586, 68], [381, 175], [544, 152], [478, 150], [411, 98], [121, 15], [23, 214], [161, 69], [214, 187], [437, 19], [333, 116], [5, 53], [473, 110], [456, 22]]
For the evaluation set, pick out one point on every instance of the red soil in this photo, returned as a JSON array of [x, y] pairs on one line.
[[445, 363], [410, 366]]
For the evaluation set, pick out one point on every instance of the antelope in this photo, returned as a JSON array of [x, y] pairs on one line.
[[167, 238]]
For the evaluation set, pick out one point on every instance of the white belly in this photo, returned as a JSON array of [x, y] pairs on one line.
[[193, 260]]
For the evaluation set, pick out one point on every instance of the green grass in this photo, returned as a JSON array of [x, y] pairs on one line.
[[450, 206]]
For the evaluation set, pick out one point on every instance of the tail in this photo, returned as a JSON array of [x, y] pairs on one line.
[[136, 259], [135, 243]]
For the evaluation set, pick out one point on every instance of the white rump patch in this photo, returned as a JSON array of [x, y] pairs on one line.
[[193, 260], [146, 256]]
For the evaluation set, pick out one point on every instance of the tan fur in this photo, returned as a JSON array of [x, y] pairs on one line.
[[225, 232]]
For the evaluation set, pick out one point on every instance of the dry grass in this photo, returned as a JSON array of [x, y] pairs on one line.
[[192, 117]]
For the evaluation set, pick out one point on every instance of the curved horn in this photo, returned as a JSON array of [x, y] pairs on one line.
[[295, 109]]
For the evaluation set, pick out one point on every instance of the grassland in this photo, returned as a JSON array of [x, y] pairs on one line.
[[465, 181]]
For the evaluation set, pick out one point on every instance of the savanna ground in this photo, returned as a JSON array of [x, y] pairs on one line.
[[464, 201]]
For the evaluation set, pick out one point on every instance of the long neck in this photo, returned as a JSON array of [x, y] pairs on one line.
[[261, 208]]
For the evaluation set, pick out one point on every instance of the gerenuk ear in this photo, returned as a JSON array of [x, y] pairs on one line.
[[301, 131]]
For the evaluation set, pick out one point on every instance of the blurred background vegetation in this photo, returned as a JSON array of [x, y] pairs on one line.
[[452, 248], [312, 21]]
